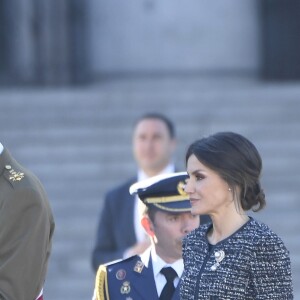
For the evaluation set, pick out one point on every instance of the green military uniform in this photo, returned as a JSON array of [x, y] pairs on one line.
[[26, 229]]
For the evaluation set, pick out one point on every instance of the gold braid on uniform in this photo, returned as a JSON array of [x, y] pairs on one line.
[[102, 284]]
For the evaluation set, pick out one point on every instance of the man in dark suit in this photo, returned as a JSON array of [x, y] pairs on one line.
[[26, 229], [155, 274], [119, 233]]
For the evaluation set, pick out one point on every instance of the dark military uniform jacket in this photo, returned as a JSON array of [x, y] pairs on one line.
[[26, 228], [127, 279]]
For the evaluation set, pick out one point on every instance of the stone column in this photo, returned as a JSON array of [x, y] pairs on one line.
[[44, 41], [79, 40], [19, 40], [280, 39], [53, 62]]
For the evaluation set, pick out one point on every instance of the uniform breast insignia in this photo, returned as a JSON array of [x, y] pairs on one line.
[[125, 288], [138, 267], [219, 256], [121, 274], [13, 175]]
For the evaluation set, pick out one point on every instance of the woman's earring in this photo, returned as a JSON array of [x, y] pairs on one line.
[[229, 189]]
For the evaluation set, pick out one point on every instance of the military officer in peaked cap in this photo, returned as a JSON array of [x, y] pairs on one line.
[[156, 273], [26, 228]]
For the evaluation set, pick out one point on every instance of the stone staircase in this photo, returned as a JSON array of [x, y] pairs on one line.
[[78, 141]]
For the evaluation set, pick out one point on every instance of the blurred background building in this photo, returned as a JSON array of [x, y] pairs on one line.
[[77, 41], [75, 74]]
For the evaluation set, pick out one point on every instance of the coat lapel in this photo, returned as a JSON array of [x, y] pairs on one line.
[[144, 282]]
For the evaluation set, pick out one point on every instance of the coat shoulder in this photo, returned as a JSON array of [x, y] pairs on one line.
[[122, 263], [111, 275], [121, 188]]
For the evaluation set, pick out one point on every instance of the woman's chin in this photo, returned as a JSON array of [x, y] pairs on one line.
[[196, 211]]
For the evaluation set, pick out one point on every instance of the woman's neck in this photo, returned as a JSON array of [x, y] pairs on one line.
[[225, 226]]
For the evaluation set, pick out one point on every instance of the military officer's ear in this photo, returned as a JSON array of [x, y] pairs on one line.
[[148, 226]]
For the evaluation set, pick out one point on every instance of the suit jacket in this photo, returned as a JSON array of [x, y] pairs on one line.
[[26, 228], [128, 279], [116, 230]]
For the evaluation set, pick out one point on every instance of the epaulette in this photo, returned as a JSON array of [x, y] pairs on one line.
[[101, 284], [102, 292], [13, 176]]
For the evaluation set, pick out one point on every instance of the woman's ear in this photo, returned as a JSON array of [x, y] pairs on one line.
[[148, 226]]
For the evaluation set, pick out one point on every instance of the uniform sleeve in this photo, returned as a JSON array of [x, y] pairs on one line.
[[271, 271], [24, 238]]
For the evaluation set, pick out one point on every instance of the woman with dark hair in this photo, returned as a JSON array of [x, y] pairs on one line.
[[235, 256]]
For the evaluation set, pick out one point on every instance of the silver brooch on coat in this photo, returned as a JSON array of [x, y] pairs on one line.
[[219, 256]]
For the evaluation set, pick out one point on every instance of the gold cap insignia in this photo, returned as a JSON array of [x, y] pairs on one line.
[[180, 188], [125, 288]]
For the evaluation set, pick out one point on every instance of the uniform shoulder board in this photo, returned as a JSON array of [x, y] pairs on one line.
[[102, 292], [12, 175], [101, 284]]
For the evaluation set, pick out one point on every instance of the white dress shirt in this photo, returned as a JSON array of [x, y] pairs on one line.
[[157, 265]]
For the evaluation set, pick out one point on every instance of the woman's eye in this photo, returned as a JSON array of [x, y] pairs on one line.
[[199, 177]]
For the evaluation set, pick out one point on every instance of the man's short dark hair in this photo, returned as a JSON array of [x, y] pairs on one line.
[[161, 117], [150, 212]]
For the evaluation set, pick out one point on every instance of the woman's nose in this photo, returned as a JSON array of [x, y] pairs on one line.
[[187, 187]]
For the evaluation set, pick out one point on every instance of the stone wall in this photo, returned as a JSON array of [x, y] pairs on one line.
[[174, 36]]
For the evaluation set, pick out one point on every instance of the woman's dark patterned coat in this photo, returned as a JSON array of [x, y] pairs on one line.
[[253, 263]]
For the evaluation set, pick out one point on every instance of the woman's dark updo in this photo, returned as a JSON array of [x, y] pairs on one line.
[[237, 161]]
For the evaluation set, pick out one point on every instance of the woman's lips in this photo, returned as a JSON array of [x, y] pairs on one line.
[[193, 200]]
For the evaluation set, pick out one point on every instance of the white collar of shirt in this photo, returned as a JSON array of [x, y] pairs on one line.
[[157, 265], [145, 257], [1, 148]]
